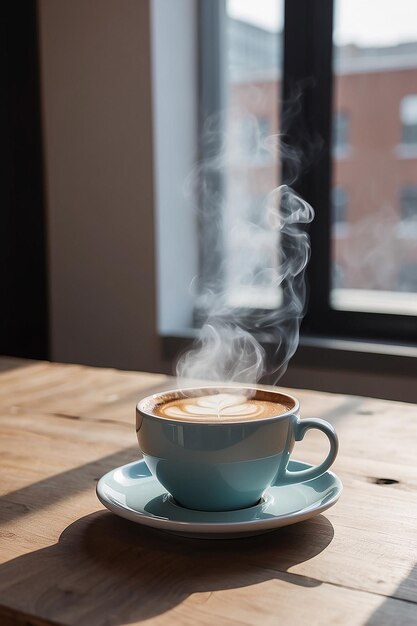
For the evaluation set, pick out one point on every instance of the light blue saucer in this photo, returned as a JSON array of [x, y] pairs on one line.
[[132, 492]]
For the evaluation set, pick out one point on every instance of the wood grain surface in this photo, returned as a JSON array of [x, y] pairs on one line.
[[64, 559]]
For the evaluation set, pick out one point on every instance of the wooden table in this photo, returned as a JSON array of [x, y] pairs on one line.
[[66, 560]]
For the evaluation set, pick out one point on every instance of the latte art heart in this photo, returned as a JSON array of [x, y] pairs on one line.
[[219, 407]]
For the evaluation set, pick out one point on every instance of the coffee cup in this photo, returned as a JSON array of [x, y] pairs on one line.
[[220, 448]]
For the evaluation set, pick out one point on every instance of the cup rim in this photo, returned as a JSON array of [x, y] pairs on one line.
[[145, 405]]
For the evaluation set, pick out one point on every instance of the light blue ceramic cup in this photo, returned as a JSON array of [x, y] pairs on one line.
[[225, 466]]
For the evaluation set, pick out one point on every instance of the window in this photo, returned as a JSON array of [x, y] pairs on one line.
[[407, 279], [340, 133], [340, 230], [408, 115], [374, 56], [340, 63], [339, 206], [407, 224], [408, 204], [338, 276]]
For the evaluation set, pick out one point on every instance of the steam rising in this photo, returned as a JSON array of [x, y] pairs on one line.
[[224, 352], [251, 292]]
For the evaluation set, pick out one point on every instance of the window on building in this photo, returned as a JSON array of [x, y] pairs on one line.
[[338, 276], [407, 225], [407, 277], [408, 204], [339, 206], [340, 230], [408, 116], [340, 133]]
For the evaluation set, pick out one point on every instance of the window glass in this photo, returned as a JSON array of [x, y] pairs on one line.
[[339, 205], [408, 112], [408, 277], [340, 132], [253, 84], [375, 116], [408, 203], [407, 226], [340, 225]]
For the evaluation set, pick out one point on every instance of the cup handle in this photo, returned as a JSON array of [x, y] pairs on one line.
[[300, 429]]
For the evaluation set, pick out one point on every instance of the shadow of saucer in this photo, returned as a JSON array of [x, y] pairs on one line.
[[106, 566]]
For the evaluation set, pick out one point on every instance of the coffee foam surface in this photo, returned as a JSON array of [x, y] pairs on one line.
[[219, 407]]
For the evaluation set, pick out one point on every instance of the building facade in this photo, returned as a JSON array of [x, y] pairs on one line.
[[374, 194]]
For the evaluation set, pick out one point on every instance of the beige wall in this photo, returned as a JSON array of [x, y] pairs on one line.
[[97, 120]]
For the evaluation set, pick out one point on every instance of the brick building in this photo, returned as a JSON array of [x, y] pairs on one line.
[[374, 196]]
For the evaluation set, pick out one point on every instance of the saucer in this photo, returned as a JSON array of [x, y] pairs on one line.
[[131, 491]]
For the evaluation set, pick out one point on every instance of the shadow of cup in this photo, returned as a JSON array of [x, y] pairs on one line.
[[106, 566], [163, 569]]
